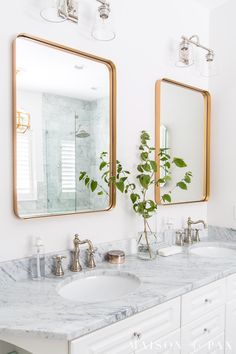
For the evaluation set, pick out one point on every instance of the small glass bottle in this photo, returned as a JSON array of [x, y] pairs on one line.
[[169, 236], [38, 260]]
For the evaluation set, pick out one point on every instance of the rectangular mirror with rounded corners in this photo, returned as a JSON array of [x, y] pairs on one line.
[[183, 127], [64, 118]]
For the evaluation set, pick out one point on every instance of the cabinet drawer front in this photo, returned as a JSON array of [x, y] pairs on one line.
[[201, 301], [200, 333], [230, 336], [231, 287], [169, 344], [215, 346], [119, 338]]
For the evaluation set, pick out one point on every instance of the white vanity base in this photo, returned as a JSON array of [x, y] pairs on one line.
[[201, 321]]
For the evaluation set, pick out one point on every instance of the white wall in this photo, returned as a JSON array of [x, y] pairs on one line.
[[141, 53], [223, 87]]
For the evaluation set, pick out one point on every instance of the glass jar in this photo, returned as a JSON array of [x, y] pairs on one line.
[[147, 245]]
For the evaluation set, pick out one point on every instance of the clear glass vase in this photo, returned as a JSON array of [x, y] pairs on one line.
[[147, 245]]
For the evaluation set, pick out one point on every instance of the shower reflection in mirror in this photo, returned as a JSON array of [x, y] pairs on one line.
[[69, 126]]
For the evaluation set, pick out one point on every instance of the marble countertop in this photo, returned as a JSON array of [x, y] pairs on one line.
[[31, 308]]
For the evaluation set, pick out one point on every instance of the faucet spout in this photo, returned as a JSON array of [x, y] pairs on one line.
[[190, 222], [189, 239], [76, 266]]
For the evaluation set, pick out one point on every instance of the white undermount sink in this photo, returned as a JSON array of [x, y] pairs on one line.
[[100, 287], [213, 251]]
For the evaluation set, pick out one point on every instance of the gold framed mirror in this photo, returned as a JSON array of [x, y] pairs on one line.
[[183, 116], [64, 116]]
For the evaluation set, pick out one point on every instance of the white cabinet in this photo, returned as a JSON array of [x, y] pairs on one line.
[[230, 325], [231, 287], [200, 333], [203, 300], [230, 328], [169, 344], [6, 348], [133, 335], [201, 322], [215, 346]]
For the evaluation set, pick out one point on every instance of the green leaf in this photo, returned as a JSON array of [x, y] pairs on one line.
[[119, 168], [100, 193], [82, 175], [147, 167], [112, 179], [144, 181], [105, 174], [182, 185], [93, 185], [166, 198], [141, 147], [103, 154], [134, 197], [160, 181], [187, 179], [139, 168], [120, 186], [167, 164], [153, 165], [86, 182], [167, 178], [179, 162], [144, 156], [124, 179], [102, 165], [144, 137], [150, 206]]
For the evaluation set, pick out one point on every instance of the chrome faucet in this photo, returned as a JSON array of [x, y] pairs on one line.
[[76, 266], [189, 238]]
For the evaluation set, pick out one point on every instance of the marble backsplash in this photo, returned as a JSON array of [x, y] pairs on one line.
[[19, 269], [216, 233]]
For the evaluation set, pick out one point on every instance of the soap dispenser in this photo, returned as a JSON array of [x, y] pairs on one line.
[[169, 238], [38, 260]]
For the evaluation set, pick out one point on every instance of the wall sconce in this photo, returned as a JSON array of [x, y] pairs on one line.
[[102, 30], [186, 54], [67, 10], [60, 11], [22, 122]]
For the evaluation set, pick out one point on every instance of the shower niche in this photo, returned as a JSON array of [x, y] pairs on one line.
[[64, 117]]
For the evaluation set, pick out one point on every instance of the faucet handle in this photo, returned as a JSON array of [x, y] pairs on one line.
[[59, 272], [196, 237], [179, 239], [91, 262]]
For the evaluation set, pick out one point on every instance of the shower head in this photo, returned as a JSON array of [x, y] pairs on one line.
[[82, 134]]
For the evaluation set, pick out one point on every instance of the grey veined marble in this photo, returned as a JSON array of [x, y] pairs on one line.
[[221, 233], [31, 308], [19, 269]]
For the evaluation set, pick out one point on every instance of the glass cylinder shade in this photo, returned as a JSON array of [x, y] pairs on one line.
[[185, 55], [51, 12], [103, 30], [209, 68]]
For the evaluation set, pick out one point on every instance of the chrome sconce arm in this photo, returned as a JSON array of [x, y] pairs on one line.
[[60, 11], [195, 40], [69, 10], [186, 57]]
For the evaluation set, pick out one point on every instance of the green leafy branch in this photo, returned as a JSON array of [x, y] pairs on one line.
[[146, 177]]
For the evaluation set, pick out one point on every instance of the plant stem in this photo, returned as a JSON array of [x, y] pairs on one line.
[[146, 237]]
